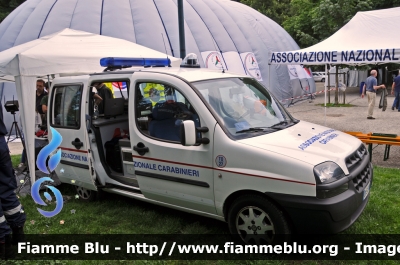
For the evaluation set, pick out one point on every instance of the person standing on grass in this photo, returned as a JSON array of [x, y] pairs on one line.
[[12, 216], [44, 102], [370, 87], [40, 94], [396, 92]]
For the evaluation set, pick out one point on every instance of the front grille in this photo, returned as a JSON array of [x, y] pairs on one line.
[[356, 157], [353, 162], [362, 179]]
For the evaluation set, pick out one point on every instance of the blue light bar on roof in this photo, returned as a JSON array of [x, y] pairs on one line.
[[127, 62]]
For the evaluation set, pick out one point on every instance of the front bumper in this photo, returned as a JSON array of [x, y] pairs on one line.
[[327, 216]]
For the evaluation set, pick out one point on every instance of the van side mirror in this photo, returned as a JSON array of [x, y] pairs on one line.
[[188, 133]]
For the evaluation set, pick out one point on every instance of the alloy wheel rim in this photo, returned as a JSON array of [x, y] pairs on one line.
[[83, 193], [254, 225]]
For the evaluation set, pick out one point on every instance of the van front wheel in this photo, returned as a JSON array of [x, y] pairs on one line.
[[85, 194], [256, 220]]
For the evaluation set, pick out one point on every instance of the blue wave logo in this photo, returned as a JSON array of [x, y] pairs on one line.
[[36, 197], [54, 160], [47, 150]]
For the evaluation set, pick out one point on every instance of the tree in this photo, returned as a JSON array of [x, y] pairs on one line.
[[299, 21], [331, 15], [274, 9], [386, 4], [312, 21], [7, 6]]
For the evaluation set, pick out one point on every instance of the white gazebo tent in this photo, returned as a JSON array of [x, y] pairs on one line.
[[368, 38], [65, 52]]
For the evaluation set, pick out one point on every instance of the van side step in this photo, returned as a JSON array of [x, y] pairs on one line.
[[120, 187], [127, 193], [140, 196]]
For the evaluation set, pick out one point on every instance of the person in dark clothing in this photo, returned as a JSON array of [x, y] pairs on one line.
[[40, 93], [44, 102], [12, 216], [104, 92], [396, 92]]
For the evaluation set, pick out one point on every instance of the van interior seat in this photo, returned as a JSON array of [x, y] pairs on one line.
[[114, 107], [166, 120], [163, 124]]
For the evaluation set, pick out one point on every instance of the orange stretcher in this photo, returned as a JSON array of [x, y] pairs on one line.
[[378, 138]]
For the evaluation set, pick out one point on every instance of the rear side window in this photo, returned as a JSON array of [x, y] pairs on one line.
[[66, 106]]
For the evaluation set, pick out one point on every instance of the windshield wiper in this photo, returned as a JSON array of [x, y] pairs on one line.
[[280, 123], [253, 129]]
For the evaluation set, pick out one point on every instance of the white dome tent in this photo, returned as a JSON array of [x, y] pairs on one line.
[[222, 33]]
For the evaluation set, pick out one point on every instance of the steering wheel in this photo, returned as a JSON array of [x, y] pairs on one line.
[[183, 115]]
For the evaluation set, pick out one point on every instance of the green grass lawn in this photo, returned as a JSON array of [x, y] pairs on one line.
[[15, 159], [379, 217], [115, 214]]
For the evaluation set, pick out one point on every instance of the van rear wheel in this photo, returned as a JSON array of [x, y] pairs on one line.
[[323, 80], [85, 194], [257, 220]]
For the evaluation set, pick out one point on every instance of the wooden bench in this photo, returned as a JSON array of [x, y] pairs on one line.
[[377, 138]]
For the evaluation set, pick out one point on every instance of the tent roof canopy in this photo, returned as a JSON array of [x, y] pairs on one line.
[[70, 51], [368, 38]]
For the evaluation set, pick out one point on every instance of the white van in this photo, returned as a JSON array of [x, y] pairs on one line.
[[211, 143]]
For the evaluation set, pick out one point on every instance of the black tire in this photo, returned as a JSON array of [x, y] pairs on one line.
[[256, 229], [323, 80], [85, 194]]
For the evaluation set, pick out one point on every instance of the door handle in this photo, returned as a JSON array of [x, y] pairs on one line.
[[141, 148], [77, 143]]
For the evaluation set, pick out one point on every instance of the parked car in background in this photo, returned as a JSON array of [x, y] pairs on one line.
[[319, 76]]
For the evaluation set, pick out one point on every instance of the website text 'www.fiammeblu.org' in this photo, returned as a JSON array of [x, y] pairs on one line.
[[288, 248], [174, 249]]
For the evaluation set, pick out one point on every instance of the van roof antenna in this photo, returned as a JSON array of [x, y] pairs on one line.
[[165, 47]]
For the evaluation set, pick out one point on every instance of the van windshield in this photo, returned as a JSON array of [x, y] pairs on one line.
[[244, 108]]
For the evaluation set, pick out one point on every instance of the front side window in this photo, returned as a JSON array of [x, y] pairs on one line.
[[66, 106], [160, 109], [244, 107]]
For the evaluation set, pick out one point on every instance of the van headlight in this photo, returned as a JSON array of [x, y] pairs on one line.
[[327, 172]]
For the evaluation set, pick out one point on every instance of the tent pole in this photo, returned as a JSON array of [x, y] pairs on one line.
[[48, 83], [326, 71], [269, 77], [181, 27]]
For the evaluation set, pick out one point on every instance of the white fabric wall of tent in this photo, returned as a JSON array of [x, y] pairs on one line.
[[355, 77], [351, 78], [239, 35]]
